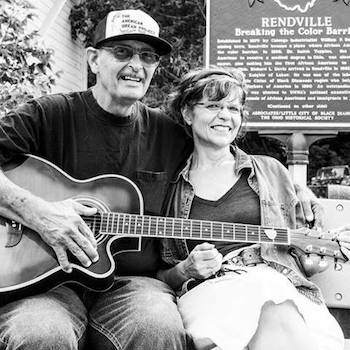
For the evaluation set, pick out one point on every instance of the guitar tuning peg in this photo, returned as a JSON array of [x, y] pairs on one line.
[[307, 260], [337, 266], [323, 264]]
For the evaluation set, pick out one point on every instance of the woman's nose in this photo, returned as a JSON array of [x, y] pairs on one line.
[[224, 113]]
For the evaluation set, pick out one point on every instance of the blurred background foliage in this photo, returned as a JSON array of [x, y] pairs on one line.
[[25, 63]]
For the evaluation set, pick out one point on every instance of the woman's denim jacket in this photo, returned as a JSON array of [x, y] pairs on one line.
[[279, 207]]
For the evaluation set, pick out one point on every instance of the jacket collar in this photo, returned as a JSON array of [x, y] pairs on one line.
[[243, 161]]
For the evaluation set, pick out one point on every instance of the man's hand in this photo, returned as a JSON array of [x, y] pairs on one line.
[[313, 211], [342, 235], [60, 226], [203, 262]]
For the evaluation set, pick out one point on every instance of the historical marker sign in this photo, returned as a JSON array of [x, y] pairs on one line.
[[296, 56]]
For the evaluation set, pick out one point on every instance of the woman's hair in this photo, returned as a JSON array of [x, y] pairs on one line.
[[214, 83]]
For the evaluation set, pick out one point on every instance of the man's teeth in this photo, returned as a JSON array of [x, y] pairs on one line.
[[221, 127], [127, 77]]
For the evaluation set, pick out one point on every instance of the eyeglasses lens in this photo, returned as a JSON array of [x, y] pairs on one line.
[[125, 53]]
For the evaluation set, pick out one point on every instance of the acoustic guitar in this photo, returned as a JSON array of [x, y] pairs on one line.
[[29, 266]]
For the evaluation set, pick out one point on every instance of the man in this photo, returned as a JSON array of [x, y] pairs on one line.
[[104, 130]]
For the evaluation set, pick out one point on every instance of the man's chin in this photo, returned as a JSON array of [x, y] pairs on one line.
[[133, 94]]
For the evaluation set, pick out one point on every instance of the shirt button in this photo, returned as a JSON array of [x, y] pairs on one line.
[[285, 271]]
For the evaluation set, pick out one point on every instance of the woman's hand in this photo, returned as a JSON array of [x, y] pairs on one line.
[[313, 210], [203, 262]]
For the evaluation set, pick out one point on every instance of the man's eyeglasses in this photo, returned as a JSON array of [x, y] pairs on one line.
[[216, 107], [125, 53]]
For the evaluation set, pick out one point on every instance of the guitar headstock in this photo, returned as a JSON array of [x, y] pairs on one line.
[[315, 242]]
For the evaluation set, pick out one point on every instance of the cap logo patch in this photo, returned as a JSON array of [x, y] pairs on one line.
[[119, 24]]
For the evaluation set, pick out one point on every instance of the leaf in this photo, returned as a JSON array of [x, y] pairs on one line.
[[31, 60], [20, 55]]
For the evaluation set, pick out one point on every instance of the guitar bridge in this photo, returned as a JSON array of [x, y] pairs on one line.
[[14, 234]]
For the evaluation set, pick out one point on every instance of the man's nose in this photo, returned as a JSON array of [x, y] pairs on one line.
[[135, 61]]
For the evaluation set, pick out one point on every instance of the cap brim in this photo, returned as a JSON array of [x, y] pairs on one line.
[[161, 46]]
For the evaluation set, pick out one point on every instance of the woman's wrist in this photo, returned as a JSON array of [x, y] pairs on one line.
[[182, 272], [174, 276]]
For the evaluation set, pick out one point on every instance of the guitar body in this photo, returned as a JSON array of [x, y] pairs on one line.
[[28, 265]]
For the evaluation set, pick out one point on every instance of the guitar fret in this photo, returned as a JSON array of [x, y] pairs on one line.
[[217, 230], [240, 233], [122, 220], [93, 228], [149, 225], [159, 231], [103, 225], [113, 218], [132, 225], [227, 231], [252, 234], [146, 226], [139, 225], [107, 222], [153, 226], [122, 224], [142, 223], [206, 230], [169, 227], [156, 230], [186, 228], [164, 226], [118, 219], [129, 224], [177, 228], [196, 229]]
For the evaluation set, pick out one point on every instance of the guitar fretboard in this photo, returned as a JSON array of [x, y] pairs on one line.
[[167, 227]]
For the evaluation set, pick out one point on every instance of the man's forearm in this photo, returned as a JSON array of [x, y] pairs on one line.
[[17, 203]]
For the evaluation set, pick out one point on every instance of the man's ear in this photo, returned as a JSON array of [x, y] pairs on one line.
[[187, 115], [93, 59]]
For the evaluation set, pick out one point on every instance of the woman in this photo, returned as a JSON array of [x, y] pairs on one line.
[[260, 297]]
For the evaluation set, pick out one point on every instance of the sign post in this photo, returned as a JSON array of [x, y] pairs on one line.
[[296, 57]]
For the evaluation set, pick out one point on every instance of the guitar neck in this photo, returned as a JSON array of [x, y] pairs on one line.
[[167, 227]]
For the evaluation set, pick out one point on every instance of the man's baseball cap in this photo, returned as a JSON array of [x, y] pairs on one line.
[[130, 25]]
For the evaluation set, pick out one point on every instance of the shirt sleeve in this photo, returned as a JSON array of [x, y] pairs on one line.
[[19, 131]]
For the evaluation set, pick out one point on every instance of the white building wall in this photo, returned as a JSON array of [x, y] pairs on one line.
[[69, 56]]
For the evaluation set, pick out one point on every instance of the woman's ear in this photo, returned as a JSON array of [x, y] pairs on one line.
[[187, 115]]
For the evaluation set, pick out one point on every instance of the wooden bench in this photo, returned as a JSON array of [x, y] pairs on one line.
[[335, 284]]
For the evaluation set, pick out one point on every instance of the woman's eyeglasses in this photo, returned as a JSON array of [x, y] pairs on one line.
[[125, 53], [216, 107]]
